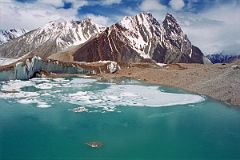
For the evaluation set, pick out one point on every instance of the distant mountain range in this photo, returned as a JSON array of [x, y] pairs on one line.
[[8, 35], [223, 58], [53, 37], [134, 39]]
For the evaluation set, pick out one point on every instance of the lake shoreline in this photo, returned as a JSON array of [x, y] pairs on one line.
[[218, 81]]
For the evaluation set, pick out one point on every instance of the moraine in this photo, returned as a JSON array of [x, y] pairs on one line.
[[130, 119]]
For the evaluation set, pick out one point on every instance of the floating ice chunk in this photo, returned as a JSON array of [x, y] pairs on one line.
[[45, 94], [43, 105], [21, 94], [80, 96], [61, 80], [38, 80], [82, 80], [15, 85], [79, 109], [44, 86], [26, 101], [40, 104], [109, 109]]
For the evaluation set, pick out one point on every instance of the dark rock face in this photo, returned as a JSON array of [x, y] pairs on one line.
[[106, 47], [197, 55], [141, 37]]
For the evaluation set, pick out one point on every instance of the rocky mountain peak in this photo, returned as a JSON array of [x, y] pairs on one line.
[[171, 26], [141, 19]]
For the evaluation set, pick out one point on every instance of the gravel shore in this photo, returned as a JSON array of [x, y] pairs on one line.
[[219, 81]]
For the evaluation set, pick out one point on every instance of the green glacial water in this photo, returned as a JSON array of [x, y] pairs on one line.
[[133, 120]]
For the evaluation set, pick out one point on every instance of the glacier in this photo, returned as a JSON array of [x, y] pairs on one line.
[[24, 70], [28, 67]]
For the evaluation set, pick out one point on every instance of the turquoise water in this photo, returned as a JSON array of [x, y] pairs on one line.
[[43, 126]]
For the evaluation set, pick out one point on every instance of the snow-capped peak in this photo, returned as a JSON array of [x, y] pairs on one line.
[[144, 18], [10, 34], [170, 24], [140, 30], [69, 33], [55, 36]]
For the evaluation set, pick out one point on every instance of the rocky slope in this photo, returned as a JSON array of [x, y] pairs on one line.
[[140, 37], [51, 38], [8, 35]]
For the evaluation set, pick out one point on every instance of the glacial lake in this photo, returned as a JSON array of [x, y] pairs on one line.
[[132, 120]]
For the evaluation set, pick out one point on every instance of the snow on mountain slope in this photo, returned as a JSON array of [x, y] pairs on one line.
[[8, 35], [140, 31], [133, 39], [141, 37], [53, 37]]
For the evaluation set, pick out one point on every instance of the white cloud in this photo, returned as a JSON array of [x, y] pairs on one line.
[[31, 15], [99, 19], [55, 3], [214, 30], [151, 5], [15, 14], [177, 4], [78, 3], [111, 2]]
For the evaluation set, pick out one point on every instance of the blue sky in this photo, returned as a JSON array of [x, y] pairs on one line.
[[213, 25]]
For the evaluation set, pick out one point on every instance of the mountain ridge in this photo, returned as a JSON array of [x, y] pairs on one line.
[[223, 58], [140, 37], [10, 34], [52, 37], [133, 39]]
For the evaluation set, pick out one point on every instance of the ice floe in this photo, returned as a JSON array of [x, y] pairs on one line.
[[131, 95], [40, 103], [73, 91], [15, 85]]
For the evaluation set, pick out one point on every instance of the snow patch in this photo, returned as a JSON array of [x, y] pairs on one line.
[[161, 64]]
